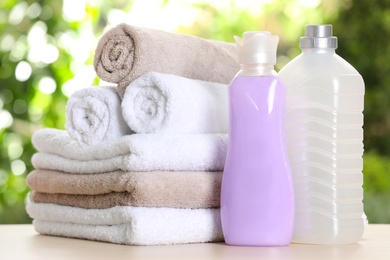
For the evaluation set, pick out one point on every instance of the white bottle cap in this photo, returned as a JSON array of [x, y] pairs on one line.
[[257, 47]]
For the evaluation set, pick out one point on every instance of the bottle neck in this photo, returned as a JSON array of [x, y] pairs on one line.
[[257, 69], [318, 50]]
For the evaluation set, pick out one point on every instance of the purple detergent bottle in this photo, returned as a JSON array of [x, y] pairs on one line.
[[257, 197]]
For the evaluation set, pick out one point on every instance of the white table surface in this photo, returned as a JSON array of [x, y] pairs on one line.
[[22, 242]]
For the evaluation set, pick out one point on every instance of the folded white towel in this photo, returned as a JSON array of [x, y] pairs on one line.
[[93, 115], [128, 225], [137, 152], [164, 103]]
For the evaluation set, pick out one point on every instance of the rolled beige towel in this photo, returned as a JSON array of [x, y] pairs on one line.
[[126, 52]]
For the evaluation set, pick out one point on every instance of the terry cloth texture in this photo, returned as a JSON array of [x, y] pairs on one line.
[[126, 52], [128, 225], [93, 115], [137, 152], [169, 104], [152, 189]]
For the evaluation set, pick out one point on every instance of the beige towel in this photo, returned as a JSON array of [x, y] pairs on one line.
[[151, 189], [109, 200], [126, 52]]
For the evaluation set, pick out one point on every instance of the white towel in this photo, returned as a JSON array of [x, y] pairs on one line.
[[137, 152], [164, 103], [93, 115], [128, 225]]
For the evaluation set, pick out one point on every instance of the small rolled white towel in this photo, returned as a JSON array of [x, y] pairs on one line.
[[128, 225], [169, 104], [136, 152], [93, 115]]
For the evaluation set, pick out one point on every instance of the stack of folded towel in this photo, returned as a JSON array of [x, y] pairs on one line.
[[140, 164]]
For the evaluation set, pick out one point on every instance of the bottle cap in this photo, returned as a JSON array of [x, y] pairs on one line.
[[318, 36], [257, 47]]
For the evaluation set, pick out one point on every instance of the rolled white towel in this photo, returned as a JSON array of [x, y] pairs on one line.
[[169, 104], [93, 115]]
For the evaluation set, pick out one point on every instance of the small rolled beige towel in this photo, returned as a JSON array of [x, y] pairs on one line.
[[126, 52], [149, 189]]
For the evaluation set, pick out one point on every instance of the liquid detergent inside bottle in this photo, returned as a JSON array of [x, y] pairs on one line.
[[324, 105], [257, 199]]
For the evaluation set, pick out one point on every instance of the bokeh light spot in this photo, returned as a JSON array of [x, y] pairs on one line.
[[49, 54], [46, 13], [34, 10], [18, 167], [6, 119], [34, 113], [15, 150], [17, 13], [23, 71], [7, 96], [19, 51], [3, 177], [20, 106], [47, 85], [74, 10], [7, 42]]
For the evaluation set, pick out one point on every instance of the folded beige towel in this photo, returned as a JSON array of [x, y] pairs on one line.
[[109, 200], [158, 189], [126, 52]]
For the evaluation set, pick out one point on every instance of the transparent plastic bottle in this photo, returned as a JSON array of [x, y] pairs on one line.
[[257, 200], [324, 135]]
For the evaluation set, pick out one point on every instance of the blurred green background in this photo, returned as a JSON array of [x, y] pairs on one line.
[[46, 51]]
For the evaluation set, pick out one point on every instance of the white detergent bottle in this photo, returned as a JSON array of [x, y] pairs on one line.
[[324, 137]]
